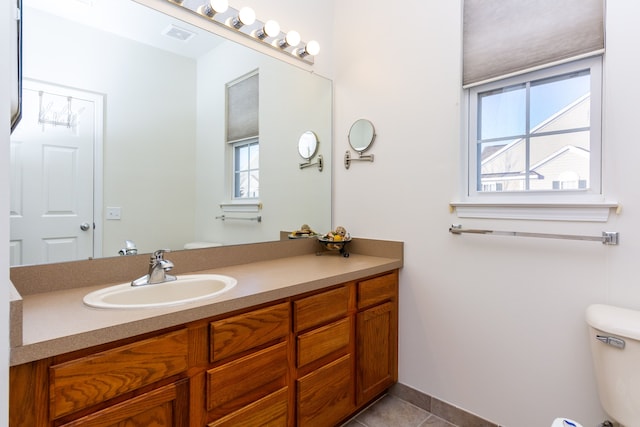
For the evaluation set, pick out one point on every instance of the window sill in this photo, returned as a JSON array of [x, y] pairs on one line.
[[253, 206], [591, 212]]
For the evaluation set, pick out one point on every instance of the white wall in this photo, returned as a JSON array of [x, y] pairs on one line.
[[6, 12], [493, 325]]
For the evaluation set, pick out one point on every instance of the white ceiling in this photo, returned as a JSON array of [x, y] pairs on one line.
[[131, 20]]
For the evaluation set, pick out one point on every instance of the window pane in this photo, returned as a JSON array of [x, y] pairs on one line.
[[242, 158], [563, 100], [561, 159], [241, 184], [254, 156], [503, 167], [502, 113], [254, 184]]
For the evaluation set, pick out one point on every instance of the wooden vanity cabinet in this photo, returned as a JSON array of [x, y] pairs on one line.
[[310, 360], [324, 333], [124, 385], [249, 376], [377, 336], [165, 406]]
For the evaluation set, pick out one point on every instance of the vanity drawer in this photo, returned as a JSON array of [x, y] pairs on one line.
[[377, 290], [93, 379], [322, 341], [268, 411], [248, 330], [233, 385], [322, 308]]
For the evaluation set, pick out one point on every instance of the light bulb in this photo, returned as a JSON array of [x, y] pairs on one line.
[[214, 6], [220, 6], [246, 16], [291, 39], [271, 28], [312, 48]]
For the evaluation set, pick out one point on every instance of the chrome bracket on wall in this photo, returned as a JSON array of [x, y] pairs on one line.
[[361, 158], [319, 163]]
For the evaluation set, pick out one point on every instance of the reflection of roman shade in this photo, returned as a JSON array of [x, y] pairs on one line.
[[242, 108], [506, 37]]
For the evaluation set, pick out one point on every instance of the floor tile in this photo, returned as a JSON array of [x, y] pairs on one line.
[[434, 421], [393, 412]]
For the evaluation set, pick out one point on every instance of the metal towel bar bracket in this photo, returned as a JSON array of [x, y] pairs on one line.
[[607, 238]]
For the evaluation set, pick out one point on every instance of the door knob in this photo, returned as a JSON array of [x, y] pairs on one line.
[[85, 226]]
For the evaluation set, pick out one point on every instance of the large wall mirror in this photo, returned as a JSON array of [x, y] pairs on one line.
[[124, 127]]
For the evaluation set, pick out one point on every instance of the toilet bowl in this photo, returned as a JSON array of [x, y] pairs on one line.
[[199, 245], [565, 422], [615, 347]]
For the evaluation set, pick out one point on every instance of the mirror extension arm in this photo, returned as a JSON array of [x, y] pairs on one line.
[[361, 158]]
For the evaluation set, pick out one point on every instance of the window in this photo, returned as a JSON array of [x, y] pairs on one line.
[[537, 133], [242, 135], [246, 169]]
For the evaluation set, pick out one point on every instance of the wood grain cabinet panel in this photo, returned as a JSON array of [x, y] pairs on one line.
[[325, 396], [322, 308], [323, 341], [378, 289], [161, 407], [240, 333], [240, 382], [80, 383], [270, 411], [377, 344]]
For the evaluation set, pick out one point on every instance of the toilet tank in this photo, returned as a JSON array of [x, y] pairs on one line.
[[615, 347]]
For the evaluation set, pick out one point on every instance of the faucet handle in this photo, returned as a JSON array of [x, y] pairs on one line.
[[159, 254]]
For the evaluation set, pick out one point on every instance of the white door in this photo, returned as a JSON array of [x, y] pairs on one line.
[[52, 176]]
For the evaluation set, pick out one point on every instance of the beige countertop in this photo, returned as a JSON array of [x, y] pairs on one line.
[[57, 321]]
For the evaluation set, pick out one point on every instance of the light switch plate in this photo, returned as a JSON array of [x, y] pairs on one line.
[[113, 213]]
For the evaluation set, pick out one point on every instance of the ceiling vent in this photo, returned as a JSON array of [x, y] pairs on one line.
[[178, 33]]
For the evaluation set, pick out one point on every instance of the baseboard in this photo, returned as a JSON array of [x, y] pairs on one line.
[[437, 407]]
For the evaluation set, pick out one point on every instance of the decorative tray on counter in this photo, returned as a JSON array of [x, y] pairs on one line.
[[332, 245]]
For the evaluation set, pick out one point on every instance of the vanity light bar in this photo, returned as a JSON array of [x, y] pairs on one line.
[[243, 21]]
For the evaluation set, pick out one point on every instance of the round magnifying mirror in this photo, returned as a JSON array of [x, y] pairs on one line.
[[307, 145], [361, 135]]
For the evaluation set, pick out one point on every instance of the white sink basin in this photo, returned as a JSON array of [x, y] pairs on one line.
[[187, 288]]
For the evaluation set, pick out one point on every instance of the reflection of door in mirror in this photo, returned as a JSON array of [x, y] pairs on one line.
[[52, 175]]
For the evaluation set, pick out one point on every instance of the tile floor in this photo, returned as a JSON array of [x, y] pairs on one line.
[[390, 411]]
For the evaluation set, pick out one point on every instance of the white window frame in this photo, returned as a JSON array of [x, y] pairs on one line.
[[534, 204]]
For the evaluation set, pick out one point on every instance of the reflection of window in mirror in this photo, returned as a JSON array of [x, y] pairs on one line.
[[242, 135]]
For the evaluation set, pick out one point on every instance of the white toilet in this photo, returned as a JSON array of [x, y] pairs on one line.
[[615, 346], [200, 245], [565, 422]]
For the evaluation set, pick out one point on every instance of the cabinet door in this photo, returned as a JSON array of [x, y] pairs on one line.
[[325, 396], [164, 407], [377, 344]]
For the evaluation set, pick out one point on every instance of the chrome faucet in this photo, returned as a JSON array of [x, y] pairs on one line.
[[158, 267], [129, 249]]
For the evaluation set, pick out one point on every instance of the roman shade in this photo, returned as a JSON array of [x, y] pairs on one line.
[[242, 108], [508, 37]]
